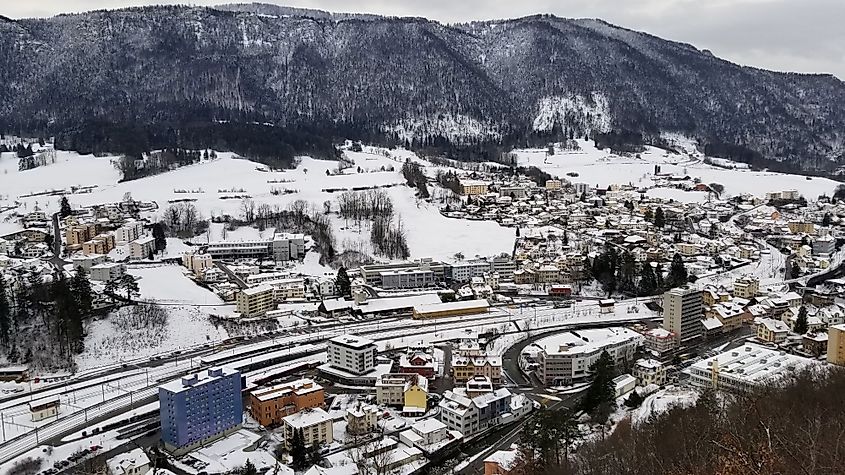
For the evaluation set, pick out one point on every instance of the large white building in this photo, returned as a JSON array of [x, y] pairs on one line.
[[744, 368], [683, 310], [142, 248], [352, 354], [567, 357], [281, 247], [130, 231]]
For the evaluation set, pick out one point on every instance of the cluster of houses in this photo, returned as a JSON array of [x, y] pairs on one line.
[[302, 407]]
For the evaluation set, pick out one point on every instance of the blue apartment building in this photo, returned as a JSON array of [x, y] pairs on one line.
[[199, 408]]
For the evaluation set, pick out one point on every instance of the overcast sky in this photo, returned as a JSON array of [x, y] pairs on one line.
[[785, 35]]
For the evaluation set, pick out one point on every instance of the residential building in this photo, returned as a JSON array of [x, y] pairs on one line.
[[746, 287], [825, 245], [142, 248], [130, 231], [501, 462], [567, 357], [199, 408], [134, 462], [815, 343], [418, 362], [87, 262], [771, 330], [255, 301], [836, 345], [682, 313], [744, 368], [352, 354], [362, 419], [660, 340], [471, 416], [403, 390], [607, 306], [473, 187], [197, 262], [479, 385], [107, 272], [269, 405], [99, 244], [428, 435], [316, 426], [648, 371], [465, 368]]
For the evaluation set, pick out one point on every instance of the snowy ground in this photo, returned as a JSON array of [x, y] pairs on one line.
[[187, 304], [430, 234], [602, 168]]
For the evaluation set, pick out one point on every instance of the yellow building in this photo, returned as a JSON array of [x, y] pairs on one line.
[[255, 301], [99, 244], [553, 185], [473, 187], [836, 345]]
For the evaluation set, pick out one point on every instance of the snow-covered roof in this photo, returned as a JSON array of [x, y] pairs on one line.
[[125, 462], [352, 341], [505, 459], [307, 418]]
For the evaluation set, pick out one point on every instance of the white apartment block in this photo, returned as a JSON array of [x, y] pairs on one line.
[[567, 357], [352, 354], [255, 301], [316, 426]]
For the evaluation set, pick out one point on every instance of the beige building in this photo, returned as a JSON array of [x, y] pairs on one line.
[[836, 345], [142, 248], [99, 244], [316, 425], [197, 263], [649, 371], [746, 287], [682, 313], [362, 419], [797, 227], [255, 301], [552, 185], [771, 330], [473, 187]]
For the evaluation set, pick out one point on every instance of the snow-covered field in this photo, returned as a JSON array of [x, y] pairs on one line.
[[429, 233], [602, 168]]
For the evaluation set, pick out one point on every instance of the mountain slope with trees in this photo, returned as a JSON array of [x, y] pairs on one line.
[[191, 77]]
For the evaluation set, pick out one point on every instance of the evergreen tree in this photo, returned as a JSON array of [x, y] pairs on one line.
[[659, 218], [344, 285], [634, 399], [64, 207], [601, 393], [81, 288], [112, 286], [160, 238], [249, 469], [826, 219], [68, 321], [314, 455], [795, 270], [298, 451], [128, 284], [648, 281], [5, 312], [648, 215], [677, 272], [801, 321], [658, 276]]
